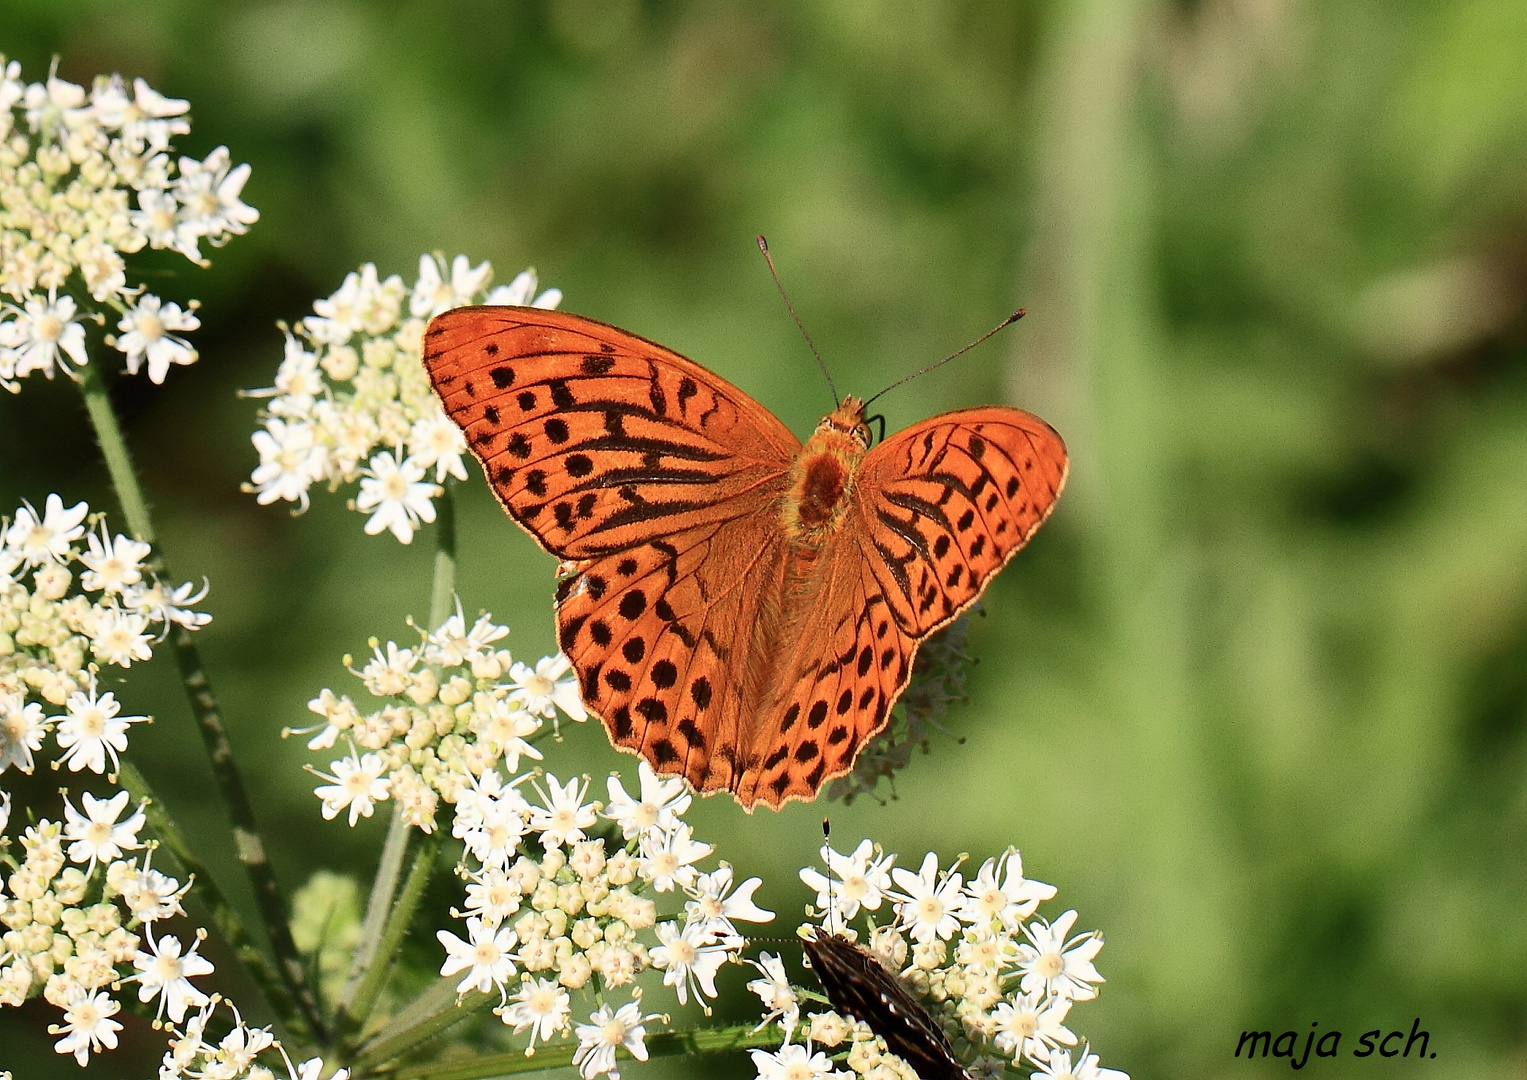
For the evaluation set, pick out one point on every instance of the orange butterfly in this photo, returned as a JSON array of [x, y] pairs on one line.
[[740, 609]]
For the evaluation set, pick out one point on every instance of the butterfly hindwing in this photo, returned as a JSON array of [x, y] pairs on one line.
[[946, 502], [857, 984], [847, 662], [660, 635], [595, 439]]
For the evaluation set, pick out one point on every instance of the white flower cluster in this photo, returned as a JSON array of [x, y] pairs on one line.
[[552, 908], [65, 611], [352, 401], [456, 707], [999, 980], [87, 177], [79, 917], [233, 1057]]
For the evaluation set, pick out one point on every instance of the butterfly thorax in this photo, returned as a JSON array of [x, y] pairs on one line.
[[822, 475]]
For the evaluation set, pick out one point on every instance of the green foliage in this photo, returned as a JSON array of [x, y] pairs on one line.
[[1254, 698]]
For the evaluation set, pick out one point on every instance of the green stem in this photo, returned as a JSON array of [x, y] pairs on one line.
[[204, 705], [383, 886], [432, 1012], [664, 1044], [442, 592], [358, 1010], [212, 897], [384, 917]]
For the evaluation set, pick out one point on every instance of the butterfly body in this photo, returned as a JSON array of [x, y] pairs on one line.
[[821, 477], [741, 609], [856, 983]]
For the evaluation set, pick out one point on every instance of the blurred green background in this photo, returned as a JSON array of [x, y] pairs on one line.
[[1255, 700]]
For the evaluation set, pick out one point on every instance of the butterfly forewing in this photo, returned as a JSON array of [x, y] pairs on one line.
[[948, 501], [857, 984], [595, 439]]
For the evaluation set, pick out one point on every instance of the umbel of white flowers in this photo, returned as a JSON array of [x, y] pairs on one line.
[[351, 402], [87, 178]]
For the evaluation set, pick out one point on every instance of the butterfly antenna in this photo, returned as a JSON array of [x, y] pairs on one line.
[[832, 904], [763, 246], [1004, 324]]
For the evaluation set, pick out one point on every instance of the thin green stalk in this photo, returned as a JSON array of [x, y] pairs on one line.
[[204, 705], [206, 890], [432, 1012], [358, 1010], [383, 886], [367, 975], [442, 592], [664, 1044]]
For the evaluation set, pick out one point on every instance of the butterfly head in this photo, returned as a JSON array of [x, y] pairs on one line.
[[847, 419]]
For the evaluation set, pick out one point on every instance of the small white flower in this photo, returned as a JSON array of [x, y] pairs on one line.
[[208, 192], [158, 221], [691, 957], [712, 910], [148, 333], [164, 973], [436, 440], [1058, 1067], [504, 726], [565, 816], [395, 493], [1031, 1024], [1016, 898], [47, 538], [120, 637], [666, 858], [662, 802], [521, 292], [96, 834], [929, 901], [453, 645], [433, 293], [41, 335], [540, 1005], [48, 105], [239, 1048], [547, 686], [152, 896], [311, 1069], [492, 895], [492, 822], [91, 730], [776, 993], [794, 1062], [291, 461], [487, 956], [357, 782], [299, 381], [607, 1031], [364, 303], [22, 727], [389, 674], [1054, 965], [112, 565], [173, 605], [863, 880], [148, 118], [87, 1026]]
